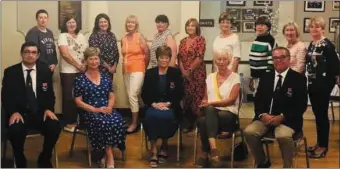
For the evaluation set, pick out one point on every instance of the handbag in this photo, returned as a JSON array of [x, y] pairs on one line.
[[240, 150]]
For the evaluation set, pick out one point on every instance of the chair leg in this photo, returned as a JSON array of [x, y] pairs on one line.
[[178, 142], [232, 150], [332, 112], [195, 145], [141, 141], [73, 140], [88, 151], [123, 155], [56, 157], [267, 151], [14, 164], [181, 138], [307, 158], [296, 155]]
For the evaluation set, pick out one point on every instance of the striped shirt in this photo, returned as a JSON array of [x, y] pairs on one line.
[[260, 57]]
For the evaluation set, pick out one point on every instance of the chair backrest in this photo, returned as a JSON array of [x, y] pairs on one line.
[[240, 99]]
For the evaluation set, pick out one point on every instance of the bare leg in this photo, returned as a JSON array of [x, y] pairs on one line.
[[133, 124], [109, 157]]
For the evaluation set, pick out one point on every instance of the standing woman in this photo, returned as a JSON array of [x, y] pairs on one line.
[[227, 40], [105, 40], [323, 69], [136, 58], [296, 47], [191, 64], [72, 45], [163, 37]]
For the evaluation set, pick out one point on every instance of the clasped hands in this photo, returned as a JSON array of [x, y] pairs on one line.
[[204, 103], [161, 106], [16, 117], [271, 120], [105, 110]]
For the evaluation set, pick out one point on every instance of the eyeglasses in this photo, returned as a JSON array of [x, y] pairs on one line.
[[280, 58], [29, 52]]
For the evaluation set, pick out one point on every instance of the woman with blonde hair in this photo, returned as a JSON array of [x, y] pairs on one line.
[[219, 106], [323, 68], [296, 47], [136, 59]]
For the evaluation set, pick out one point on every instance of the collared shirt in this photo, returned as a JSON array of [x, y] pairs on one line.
[[283, 74], [33, 76]]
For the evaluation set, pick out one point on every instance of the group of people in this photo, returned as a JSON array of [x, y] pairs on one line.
[[172, 83]]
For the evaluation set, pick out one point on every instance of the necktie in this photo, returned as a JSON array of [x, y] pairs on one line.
[[31, 100], [276, 97]]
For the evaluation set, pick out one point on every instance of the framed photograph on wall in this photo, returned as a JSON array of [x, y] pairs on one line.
[[66, 8], [314, 6], [263, 3], [336, 5], [236, 28], [248, 27], [306, 22], [249, 14], [333, 23], [236, 3], [234, 13]]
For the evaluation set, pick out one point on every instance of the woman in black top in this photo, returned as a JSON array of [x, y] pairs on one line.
[[323, 69]]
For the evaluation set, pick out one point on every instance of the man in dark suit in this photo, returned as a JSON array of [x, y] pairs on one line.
[[280, 103], [28, 98]]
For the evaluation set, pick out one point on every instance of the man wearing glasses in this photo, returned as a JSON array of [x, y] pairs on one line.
[[280, 102], [28, 99]]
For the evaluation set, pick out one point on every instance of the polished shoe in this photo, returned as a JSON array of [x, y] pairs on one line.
[[44, 162], [318, 154], [203, 162], [265, 164]]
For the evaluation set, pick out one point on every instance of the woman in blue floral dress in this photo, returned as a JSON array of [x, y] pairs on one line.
[[94, 95]]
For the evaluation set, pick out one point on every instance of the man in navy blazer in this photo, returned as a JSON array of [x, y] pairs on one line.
[[28, 99], [280, 102]]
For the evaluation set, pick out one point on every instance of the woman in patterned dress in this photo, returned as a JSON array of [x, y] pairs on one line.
[[323, 68], [94, 94], [105, 40], [191, 63], [72, 45], [163, 37]]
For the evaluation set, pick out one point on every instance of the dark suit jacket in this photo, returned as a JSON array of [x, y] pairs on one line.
[[13, 89], [294, 98], [174, 91]]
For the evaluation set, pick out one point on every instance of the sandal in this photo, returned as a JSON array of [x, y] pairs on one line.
[[312, 148], [214, 159], [162, 155], [153, 163], [318, 154]]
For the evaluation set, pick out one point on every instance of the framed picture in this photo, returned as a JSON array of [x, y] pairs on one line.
[[306, 22], [333, 23], [336, 5], [249, 14], [234, 13], [263, 3], [236, 3], [262, 12], [314, 6], [66, 8], [248, 27], [236, 27]]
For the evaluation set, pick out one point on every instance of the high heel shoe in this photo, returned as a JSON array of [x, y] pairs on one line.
[[318, 154], [312, 148]]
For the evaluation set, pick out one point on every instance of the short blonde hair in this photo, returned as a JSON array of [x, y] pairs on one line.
[[296, 27], [132, 18], [318, 20], [91, 51], [227, 53]]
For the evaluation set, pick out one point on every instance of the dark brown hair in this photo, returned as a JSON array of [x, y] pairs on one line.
[[64, 26], [163, 50], [96, 22], [39, 12]]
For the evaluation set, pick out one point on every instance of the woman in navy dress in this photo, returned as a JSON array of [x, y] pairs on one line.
[[94, 95]]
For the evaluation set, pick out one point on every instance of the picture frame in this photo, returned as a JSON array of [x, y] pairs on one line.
[[248, 27], [234, 13], [336, 5], [333, 23], [236, 27], [306, 22], [66, 8], [314, 6], [236, 3], [263, 3], [249, 14]]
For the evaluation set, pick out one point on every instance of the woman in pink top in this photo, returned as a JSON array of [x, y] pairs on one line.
[[296, 48], [136, 58]]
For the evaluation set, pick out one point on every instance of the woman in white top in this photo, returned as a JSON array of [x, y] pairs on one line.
[[296, 48], [227, 40], [220, 105], [71, 44]]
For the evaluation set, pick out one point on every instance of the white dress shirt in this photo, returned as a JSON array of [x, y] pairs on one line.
[[283, 74], [33, 76]]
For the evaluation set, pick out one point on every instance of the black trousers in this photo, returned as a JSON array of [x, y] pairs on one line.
[[319, 95], [69, 108], [17, 136], [212, 122]]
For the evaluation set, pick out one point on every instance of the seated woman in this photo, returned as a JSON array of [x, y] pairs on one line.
[[94, 95], [219, 106], [162, 92]]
